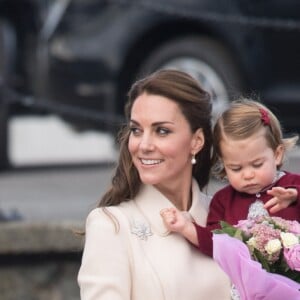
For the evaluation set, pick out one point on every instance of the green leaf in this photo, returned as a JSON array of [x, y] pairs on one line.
[[230, 230], [260, 258]]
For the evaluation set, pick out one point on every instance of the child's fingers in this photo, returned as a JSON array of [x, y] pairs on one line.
[[275, 208], [273, 205], [277, 191], [168, 215], [167, 211], [273, 201]]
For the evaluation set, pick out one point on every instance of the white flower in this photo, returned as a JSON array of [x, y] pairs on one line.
[[251, 243], [273, 246], [289, 239]]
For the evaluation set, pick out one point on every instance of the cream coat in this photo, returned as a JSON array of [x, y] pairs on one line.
[[130, 255]]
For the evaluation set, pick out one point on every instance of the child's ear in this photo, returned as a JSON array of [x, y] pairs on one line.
[[279, 153], [198, 141]]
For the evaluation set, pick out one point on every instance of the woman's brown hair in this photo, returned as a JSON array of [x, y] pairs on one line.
[[194, 104]]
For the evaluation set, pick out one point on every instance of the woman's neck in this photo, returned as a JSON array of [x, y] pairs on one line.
[[181, 197]]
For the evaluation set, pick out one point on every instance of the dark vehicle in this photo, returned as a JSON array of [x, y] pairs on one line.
[[82, 55]]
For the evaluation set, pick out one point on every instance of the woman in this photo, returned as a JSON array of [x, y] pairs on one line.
[[165, 160]]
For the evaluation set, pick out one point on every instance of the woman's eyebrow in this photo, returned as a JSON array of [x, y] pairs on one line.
[[162, 123], [133, 121], [153, 124]]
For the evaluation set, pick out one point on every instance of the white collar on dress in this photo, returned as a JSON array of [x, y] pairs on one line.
[[150, 202]]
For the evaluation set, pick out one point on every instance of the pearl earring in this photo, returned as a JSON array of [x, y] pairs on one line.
[[193, 160]]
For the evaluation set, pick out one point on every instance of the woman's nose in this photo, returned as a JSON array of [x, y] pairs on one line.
[[146, 143]]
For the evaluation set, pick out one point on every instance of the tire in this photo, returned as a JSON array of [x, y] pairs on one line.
[[7, 52], [205, 59], [4, 160]]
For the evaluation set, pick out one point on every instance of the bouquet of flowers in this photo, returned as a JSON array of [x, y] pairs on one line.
[[261, 256]]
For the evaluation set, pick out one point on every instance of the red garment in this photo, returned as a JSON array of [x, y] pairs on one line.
[[231, 206]]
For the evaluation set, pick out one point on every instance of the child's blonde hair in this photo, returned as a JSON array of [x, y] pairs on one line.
[[241, 120]]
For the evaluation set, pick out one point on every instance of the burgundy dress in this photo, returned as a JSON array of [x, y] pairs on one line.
[[231, 206]]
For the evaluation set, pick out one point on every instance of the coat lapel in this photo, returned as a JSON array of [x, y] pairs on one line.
[[150, 202]]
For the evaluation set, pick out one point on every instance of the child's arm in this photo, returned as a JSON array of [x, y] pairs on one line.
[[282, 198], [178, 221]]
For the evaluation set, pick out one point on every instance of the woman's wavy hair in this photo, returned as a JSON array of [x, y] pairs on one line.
[[241, 120], [195, 105]]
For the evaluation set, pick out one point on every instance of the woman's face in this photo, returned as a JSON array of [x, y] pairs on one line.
[[161, 141]]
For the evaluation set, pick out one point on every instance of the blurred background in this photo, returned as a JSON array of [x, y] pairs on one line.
[[65, 69]]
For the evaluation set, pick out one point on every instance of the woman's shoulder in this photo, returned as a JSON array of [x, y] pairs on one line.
[[106, 215], [116, 213]]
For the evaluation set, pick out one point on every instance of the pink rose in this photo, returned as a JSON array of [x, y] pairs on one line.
[[294, 227], [245, 225], [292, 257]]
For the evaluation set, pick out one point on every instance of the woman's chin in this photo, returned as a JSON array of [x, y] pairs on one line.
[[150, 180]]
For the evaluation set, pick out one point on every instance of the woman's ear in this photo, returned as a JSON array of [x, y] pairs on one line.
[[197, 141]]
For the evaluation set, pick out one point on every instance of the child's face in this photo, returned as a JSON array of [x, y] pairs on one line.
[[250, 164]]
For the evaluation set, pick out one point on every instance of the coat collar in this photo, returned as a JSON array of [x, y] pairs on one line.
[[150, 202]]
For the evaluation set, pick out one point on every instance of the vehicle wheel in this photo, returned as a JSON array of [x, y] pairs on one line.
[[7, 47], [4, 161], [206, 60]]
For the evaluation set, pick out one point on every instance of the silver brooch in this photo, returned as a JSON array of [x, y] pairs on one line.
[[141, 229]]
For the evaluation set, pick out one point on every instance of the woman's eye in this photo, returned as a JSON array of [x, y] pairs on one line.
[[135, 130], [163, 131]]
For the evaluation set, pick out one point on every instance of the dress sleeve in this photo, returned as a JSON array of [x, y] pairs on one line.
[[204, 234], [296, 204], [105, 271]]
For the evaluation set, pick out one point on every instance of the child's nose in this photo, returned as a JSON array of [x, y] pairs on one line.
[[248, 174]]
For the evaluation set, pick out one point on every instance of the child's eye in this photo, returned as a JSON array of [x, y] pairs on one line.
[[257, 165], [236, 169], [163, 131]]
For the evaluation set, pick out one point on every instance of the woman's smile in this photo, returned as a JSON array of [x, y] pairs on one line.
[[150, 161]]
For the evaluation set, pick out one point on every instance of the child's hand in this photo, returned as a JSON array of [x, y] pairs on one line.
[[174, 219], [282, 198], [181, 222]]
